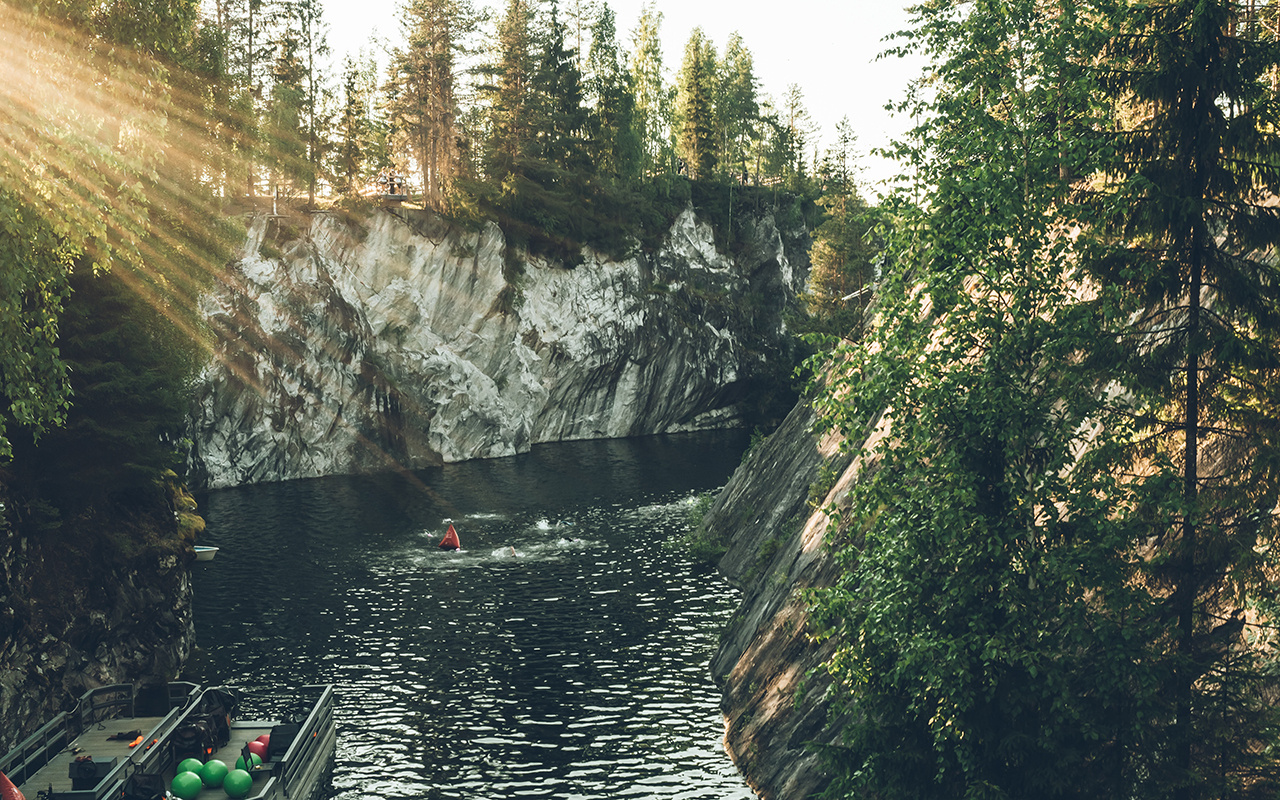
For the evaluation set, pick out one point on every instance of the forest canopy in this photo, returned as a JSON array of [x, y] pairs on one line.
[[1059, 558], [135, 132]]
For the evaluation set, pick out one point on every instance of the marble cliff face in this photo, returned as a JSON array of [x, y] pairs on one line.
[[397, 342]]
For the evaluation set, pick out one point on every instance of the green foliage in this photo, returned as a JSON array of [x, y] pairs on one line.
[[737, 107], [423, 106], [285, 148], [33, 289], [695, 110], [842, 266], [107, 169], [993, 630], [653, 103], [828, 474], [1184, 235], [349, 154], [1052, 558], [614, 142], [698, 543], [129, 371]]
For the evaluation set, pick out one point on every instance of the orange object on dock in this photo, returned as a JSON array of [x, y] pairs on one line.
[[450, 540]]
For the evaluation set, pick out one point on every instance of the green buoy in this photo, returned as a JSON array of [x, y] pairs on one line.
[[191, 765], [237, 783], [254, 760], [186, 785], [213, 773]]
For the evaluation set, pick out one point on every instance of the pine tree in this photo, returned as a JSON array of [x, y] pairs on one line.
[[653, 98], [737, 106], [313, 48], [425, 107], [695, 110], [510, 92], [1186, 230], [611, 122]]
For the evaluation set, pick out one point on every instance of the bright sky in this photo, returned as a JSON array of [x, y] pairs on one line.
[[827, 47]]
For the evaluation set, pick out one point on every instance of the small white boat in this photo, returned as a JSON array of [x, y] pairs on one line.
[[205, 553]]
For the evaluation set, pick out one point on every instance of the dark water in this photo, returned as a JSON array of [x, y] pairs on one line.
[[573, 669]]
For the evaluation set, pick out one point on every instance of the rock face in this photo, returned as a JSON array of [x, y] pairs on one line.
[[77, 612], [766, 514], [398, 343]]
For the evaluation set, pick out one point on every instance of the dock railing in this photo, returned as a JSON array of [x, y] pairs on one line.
[[38, 749], [93, 707], [314, 734]]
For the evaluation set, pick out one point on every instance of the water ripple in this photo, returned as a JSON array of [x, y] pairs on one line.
[[561, 653]]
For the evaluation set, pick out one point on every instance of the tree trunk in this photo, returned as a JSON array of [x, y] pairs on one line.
[[1189, 587]]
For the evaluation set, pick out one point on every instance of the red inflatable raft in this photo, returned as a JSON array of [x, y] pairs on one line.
[[7, 790], [450, 540]]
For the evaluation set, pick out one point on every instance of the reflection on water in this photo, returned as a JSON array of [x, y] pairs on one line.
[[562, 652]]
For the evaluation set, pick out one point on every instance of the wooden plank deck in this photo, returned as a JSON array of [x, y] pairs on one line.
[[93, 742]]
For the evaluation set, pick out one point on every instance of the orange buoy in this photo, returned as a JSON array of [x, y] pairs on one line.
[[7, 790], [450, 540]]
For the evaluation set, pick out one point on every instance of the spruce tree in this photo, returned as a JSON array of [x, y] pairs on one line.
[[841, 259], [558, 111], [424, 105], [789, 131], [313, 45], [353, 124], [737, 106], [246, 27], [611, 119], [284, 133], [1186, 230], [129, 370], [695, 109], [509, 92], [653, 96]]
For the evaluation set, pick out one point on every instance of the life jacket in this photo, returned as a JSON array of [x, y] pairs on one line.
[[450, 540]]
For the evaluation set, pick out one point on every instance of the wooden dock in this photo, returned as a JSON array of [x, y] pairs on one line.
[[93, 742], [103, 725]]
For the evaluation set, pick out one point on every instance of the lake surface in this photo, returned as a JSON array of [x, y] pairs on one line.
[[561, 653]]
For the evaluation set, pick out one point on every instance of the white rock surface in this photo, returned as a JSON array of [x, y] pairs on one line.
[[343, 354]]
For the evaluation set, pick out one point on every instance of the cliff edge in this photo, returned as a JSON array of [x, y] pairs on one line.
[[403, 341], [773, 699]]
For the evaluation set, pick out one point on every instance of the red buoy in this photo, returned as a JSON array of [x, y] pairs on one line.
[[450, 540], [7, 790]]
